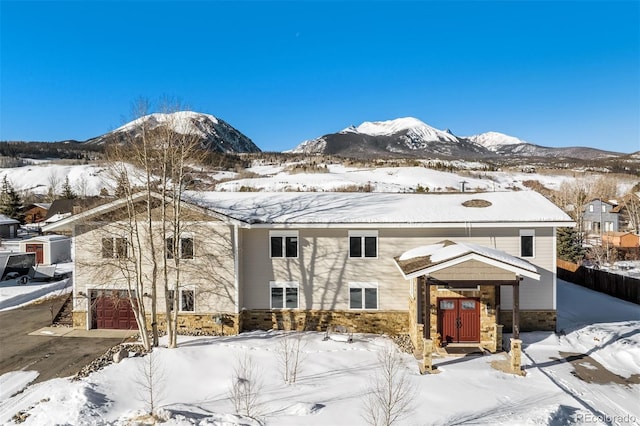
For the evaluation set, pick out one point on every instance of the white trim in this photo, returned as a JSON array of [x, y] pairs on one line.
[[527, 233], [186, 288], [362, 234], [421, 225], [554, 274], [364, 285], [284, 235], [284, 285], [472, 256], [236, 268]]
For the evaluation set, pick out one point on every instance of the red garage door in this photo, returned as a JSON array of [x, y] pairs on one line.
[[112, 309], [38, 249]]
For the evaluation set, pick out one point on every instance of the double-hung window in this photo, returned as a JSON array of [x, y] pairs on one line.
[[283, 244], [184, 247], [363, 243], [363, 295], [284, 295], [186, 302], [114, 248], [527, 243]]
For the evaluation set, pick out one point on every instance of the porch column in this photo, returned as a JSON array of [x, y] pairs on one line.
[[427, 308], [516, 308]]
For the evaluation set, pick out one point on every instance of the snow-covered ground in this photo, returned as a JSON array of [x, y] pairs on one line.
[[193, 381], [90, 179]]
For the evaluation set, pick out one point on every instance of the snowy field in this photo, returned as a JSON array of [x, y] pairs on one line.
[[193, 381], [90, 179]]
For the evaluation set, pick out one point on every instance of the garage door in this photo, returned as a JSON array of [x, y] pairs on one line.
[[38, 249], [112, 309]]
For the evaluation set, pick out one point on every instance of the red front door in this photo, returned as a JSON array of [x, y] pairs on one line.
[[459, 320], [38, 250]]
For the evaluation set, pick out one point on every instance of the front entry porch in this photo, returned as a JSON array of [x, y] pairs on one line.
[[455, 294]]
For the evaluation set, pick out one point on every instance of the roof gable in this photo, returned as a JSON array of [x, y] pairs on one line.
[[425, 260]]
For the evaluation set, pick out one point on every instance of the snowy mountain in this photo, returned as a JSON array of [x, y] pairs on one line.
[[410, 137], [493, 141], [214, 134], [400, 137]]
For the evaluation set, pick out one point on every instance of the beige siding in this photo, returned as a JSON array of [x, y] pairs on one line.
[[324, 269], [210, 272]]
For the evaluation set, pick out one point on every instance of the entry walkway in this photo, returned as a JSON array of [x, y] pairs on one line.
[[71, 332]]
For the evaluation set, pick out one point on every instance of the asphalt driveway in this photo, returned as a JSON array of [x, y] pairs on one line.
[[51, 356]]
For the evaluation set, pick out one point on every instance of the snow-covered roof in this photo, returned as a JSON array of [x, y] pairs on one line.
[[463, 209], [46, 238], [425, 259], [57, 217], [6, 220]]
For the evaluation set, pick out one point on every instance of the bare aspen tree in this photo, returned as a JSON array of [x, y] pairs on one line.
[[151, 382], [246, 387], [632, 205], [390, 396], [290, 355], [150, 165], [54, 184]]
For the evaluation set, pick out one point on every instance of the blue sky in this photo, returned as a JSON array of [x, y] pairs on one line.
[[552, 73]]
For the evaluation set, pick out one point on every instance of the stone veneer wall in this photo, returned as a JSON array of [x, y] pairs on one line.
[[79, 319], [416, 330], [530, 320], [187, 323], [207, 324], [388, 322]]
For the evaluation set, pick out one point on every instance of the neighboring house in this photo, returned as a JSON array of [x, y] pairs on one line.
[[8, 227], [49, 249], [60, 209], [454, 268], [600, 216], [35, 213], [625, 242]]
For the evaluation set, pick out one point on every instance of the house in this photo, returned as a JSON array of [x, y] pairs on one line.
[[600, 216], [627, 243], [60, 209], [49, 249], [449, 268], [8, 227], [36, 212]]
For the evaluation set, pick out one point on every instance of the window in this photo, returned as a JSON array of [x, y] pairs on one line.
[[284, 295], [113, 248], [363, 295], [604, 208], [283, 243], [363, 243], [590, 208], [608, 226], [185, 248], [186, 302], [527, 243]]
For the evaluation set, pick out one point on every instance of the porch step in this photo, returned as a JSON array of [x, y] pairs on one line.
[[463, 350]]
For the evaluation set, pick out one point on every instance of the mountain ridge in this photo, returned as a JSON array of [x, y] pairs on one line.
[[214, 134], [412, 137]]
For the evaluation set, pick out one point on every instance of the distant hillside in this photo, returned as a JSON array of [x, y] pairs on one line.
[[214, 134]]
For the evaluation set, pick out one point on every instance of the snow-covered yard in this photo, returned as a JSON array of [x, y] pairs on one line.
[[193, 381]]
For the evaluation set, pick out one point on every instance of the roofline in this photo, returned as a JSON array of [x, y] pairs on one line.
[[471, 256], [68, 221], [297, 225]]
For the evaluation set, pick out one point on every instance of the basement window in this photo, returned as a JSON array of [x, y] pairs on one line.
[[363, 295]]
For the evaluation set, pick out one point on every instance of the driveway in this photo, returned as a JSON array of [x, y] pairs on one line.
[[51, 356]]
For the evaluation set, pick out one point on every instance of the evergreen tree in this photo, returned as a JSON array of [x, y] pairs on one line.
[[67, 192], [10, 201], [569, 245]]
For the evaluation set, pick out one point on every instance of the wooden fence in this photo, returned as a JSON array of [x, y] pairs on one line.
[[616, 285]]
